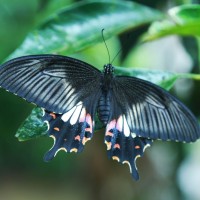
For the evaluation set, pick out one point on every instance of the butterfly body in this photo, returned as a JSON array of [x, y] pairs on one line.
[[104, 103], [134, 111]]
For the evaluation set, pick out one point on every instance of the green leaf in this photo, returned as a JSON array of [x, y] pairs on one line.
[[186, 14], [79, 26], [184, 20], [34, 127], [164, 79]]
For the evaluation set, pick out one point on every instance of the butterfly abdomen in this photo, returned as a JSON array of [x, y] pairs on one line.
[[104, 108]]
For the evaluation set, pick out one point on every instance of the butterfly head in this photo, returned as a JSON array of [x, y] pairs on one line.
[[108, 69]]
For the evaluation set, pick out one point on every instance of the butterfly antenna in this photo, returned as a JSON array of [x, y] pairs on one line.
[[105, 44], [116, 55], [128, 37]]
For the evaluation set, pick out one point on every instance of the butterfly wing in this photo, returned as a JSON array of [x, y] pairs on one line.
[[56, 83], [123, 146], [72, 129], [142, 112], [124, 149], [152, 112], [67, 89]]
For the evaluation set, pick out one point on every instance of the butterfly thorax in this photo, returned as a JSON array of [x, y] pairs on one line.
[[107, 78], [105, 99]]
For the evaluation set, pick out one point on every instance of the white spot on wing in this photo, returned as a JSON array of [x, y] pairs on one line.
[[110, 125], [73, 113], [76, 114], [82, 115], [79, 103], [126, 127], [133, 135], [119, 124], [65, 117]]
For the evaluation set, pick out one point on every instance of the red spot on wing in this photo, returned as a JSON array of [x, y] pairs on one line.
[[77, 138], [85, 140], [56, 129], [137, 147], [109, 134], [117, 146], [53, 115]]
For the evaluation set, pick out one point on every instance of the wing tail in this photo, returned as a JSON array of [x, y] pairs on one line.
[[124, 149]]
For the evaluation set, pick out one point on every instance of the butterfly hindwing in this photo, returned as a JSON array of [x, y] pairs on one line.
[[55, 83], [122, 144], [72, 129], [152, 112]]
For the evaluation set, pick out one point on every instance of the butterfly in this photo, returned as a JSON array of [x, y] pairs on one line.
[[134, 111]]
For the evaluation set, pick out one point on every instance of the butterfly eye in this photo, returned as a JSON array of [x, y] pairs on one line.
[[104, 68]]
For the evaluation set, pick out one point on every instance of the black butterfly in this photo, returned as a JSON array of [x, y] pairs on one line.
[[71, 91]]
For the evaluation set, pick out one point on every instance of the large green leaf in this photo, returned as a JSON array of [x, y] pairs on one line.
[[79, 26], [184, 20], [33, 126], [164, 79]]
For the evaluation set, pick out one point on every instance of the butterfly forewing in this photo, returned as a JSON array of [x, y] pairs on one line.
[[152, 112], [56, 83]]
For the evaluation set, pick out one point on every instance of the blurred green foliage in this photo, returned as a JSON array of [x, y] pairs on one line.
[[74, 28]]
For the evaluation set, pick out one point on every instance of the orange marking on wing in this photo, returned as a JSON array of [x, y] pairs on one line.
[[74, 150], [88, 130], [85, 140], [137, 147], [53, 115], [116, 158], [77, 138], [56, 129], [109, 144], [117, 146], [108, 133]]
